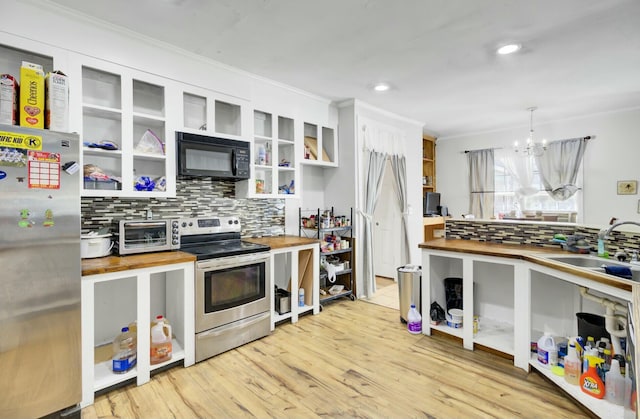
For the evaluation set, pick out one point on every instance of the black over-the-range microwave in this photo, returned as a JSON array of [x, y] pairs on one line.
[[220, 158]]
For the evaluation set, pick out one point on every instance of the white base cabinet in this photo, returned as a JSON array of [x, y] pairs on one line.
[[516, 302], [113, 300], [285, 265], [489, 291]]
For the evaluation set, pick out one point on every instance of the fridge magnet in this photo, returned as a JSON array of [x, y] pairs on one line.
[[627, 187], [638, 206]]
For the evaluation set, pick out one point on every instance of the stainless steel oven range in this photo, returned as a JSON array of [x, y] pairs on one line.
[[232, 299]]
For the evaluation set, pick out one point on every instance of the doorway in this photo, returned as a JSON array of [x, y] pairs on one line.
[[387, 219]]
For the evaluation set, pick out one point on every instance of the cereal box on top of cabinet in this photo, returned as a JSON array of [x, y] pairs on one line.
[[31, 95], [56, 101], [8, 99]]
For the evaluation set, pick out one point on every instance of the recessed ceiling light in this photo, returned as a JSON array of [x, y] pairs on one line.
[[381, 87], [509, 49]]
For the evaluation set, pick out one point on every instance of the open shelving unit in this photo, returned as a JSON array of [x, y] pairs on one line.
[[112, 300], [322, 224], [428, 164]]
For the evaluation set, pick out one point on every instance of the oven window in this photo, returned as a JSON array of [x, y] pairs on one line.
[[203, 159], [233, 287], [145, 235]]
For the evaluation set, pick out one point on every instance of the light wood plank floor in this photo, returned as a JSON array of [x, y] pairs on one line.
[[353, 360]]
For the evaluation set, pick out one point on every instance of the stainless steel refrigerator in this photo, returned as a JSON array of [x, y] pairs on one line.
[[40, 347]]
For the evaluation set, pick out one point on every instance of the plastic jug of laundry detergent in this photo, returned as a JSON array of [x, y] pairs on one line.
[[414, 320], [547, 351], [161, 347], [590, 382]]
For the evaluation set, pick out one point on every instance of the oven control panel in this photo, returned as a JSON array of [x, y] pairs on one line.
[[209, 225]]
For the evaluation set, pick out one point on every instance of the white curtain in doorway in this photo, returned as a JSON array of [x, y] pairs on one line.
[[379, 143], [399, 167]]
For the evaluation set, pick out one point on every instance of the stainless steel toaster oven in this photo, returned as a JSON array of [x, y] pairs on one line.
[[142, 236]]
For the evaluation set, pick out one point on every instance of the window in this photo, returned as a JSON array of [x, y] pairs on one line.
[[538, 206]]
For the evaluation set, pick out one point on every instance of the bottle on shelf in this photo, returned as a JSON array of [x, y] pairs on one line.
[[572, 365], [301, 297], [161, 346], [414, 320], [547, 351], [590, 381], [124, 351], [615, 385]]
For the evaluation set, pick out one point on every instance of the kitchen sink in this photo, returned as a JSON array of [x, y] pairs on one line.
[[585, 261], [595, 264], [635, 273]]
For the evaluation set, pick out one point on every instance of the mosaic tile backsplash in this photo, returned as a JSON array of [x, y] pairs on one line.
[[536, 234], [195, 197]]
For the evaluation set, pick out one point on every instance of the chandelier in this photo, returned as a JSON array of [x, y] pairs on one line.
[[531, 148]]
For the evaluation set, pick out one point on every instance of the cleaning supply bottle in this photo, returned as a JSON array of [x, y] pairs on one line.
[[572, 365], [590, 382], [414, 320], [547, 351], [161, 346], [614, 389], [124, 351]]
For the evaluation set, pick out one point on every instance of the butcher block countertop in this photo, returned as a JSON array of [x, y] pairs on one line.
[[125, 263], [534, 254], [279, 242]]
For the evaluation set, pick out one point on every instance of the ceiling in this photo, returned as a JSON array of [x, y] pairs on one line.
[[579, 57]]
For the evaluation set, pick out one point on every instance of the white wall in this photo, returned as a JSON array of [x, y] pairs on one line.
[[612, 156]]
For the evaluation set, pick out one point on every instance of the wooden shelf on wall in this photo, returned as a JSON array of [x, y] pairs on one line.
[[428, 164]]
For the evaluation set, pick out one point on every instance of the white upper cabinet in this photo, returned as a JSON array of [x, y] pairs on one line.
[[320, 145], [128, 146], [211, 113], [275, 167]]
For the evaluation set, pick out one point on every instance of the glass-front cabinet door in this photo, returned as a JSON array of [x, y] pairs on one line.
[[320, 145], [274, 164], [127, 144]]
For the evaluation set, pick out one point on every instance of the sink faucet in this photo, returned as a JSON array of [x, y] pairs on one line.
[[604, 233]]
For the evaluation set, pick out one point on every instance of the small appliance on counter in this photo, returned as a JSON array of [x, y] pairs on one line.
[[95, 244], [143, 236]]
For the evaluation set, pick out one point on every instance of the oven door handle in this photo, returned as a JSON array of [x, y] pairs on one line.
[[138, 224], [232, 261], [233, 326]]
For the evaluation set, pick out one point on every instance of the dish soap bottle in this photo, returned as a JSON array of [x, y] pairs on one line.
[[414, 320]]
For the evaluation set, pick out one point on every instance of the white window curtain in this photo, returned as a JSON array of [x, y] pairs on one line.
[[520, 166], [481, 182], [559, 166], [380, 142]]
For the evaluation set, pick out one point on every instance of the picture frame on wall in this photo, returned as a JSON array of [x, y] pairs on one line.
[[627, 187]]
